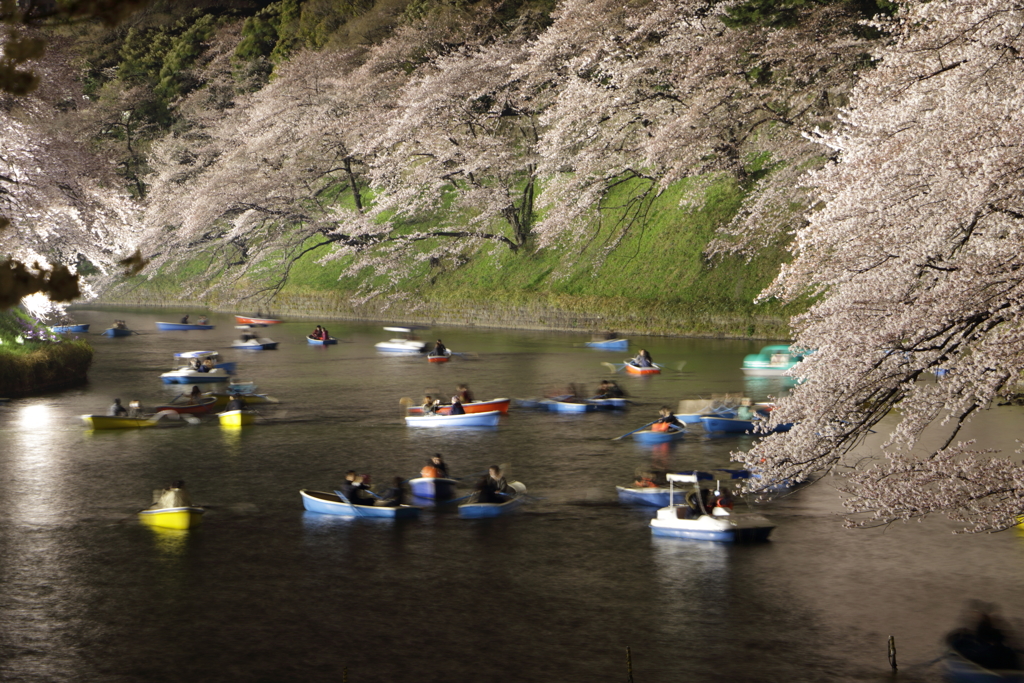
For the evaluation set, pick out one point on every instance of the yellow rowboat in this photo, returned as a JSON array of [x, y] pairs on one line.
[[173, 518], [110, 422], [237, 418]]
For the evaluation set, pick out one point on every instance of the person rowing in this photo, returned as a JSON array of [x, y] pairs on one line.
[[439, 349], [643, 359], [667, 422]]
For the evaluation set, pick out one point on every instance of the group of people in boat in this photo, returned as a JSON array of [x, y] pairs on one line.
[[432, 405], [201, 365], [202, 320], [356, 490], [439, 349], [320, 334], [120, 325]]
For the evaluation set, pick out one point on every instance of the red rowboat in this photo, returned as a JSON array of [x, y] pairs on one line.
[[633, 369], [500, 404], [206, 405], [242, 320]]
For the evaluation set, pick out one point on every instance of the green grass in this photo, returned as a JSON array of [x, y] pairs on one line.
[[35, 367]]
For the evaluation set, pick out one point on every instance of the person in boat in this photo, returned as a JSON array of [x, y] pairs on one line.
[[117, 410], [439, 349], [724, 499], [208, 365], [318, 333], [744, 411], [465, 395], [359, 493], [609, 389], [135, 409], [203, 320], [184, 319], [196, 396], [985, 640], [492, 486], [645, 480], [440, 466], [701, 503], [236, 403], [430, 405], [173, 495], [324, 334], [643, 359], [456, 408], [395, 495], [667, 422]]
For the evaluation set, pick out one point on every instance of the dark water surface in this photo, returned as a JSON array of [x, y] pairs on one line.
[[264, 591]]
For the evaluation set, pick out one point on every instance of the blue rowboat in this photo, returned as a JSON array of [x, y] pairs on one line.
[[183, 359], [650, 437], [485, 510], [694, 418], [488, 419], [568, 406], [736, 425], [174, 327], [610, 345], [610, 403], [654, 496], [433, 488], [69, 329], [116, 332], [332, 504], [320, 342]]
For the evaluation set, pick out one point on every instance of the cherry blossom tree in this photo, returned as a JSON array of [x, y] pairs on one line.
[[916, 255]]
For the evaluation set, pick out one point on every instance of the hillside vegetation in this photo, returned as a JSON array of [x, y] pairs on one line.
[[635, 166]]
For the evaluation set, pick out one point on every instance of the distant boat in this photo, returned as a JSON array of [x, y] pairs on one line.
[[407, 343], [69, 329], [175, 327], [254, 344], [609, 345], [321, 342], [116, 332], [737, 426], [245, 320], [499, 404], [205, 405], [771, 361], [222, 398], [237, 418], [332, 504], [484, 510]]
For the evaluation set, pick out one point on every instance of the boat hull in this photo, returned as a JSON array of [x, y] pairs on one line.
[[237, 418], [69, 329], [433, 488], [650, 496], [736, 426], [111, 422], [331, 504], [488, 419], [959, 669], [401, 346], [649, 437], [266, 345], [115, 332], [174, 327], [221, 399], [173, 518], [438, 359], [636, 370], [486, 510], [320, 342], [193, 377], [568, 406], [609, 345], [672, 522]]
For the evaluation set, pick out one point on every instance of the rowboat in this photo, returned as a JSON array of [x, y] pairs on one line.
[[125, 422], [404, 344], [245, 320], [653, 496], [186, 374], [173, 518], [320, 342], [439, 358], [332, 504], [236, 418], [116, 332], [960, 669], [679, 521], [634, 369], [254, 344], [568, 406], [618, 403], [609, 344], [648, 436], [499, 404], [484, 510], [174, 327], [69, 329], [221, 398], [737, 426], [433, 488], [771, 361], [205, 405], [488, 419], [241, 386]]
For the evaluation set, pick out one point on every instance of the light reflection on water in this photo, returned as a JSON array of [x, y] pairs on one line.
[[264, 591]]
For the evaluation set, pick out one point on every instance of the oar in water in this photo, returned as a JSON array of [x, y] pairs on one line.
[[634, 431], [176, 397], [346, 500], [614, 367]]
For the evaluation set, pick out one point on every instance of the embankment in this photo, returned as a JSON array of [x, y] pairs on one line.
[[36, 367]]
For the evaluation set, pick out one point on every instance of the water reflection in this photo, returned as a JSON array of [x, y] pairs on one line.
[[170, 542]]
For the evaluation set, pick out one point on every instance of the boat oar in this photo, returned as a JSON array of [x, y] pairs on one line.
[[614, 367], [355, 508], [177, 397], [635, 430]]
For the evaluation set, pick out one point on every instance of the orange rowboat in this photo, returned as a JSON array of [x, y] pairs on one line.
[[635, 370]]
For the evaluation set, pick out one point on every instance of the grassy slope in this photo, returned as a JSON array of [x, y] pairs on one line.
[[655, 280], [34, 367]]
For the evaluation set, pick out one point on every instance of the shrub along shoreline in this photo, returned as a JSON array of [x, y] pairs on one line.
[[36, 367]]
